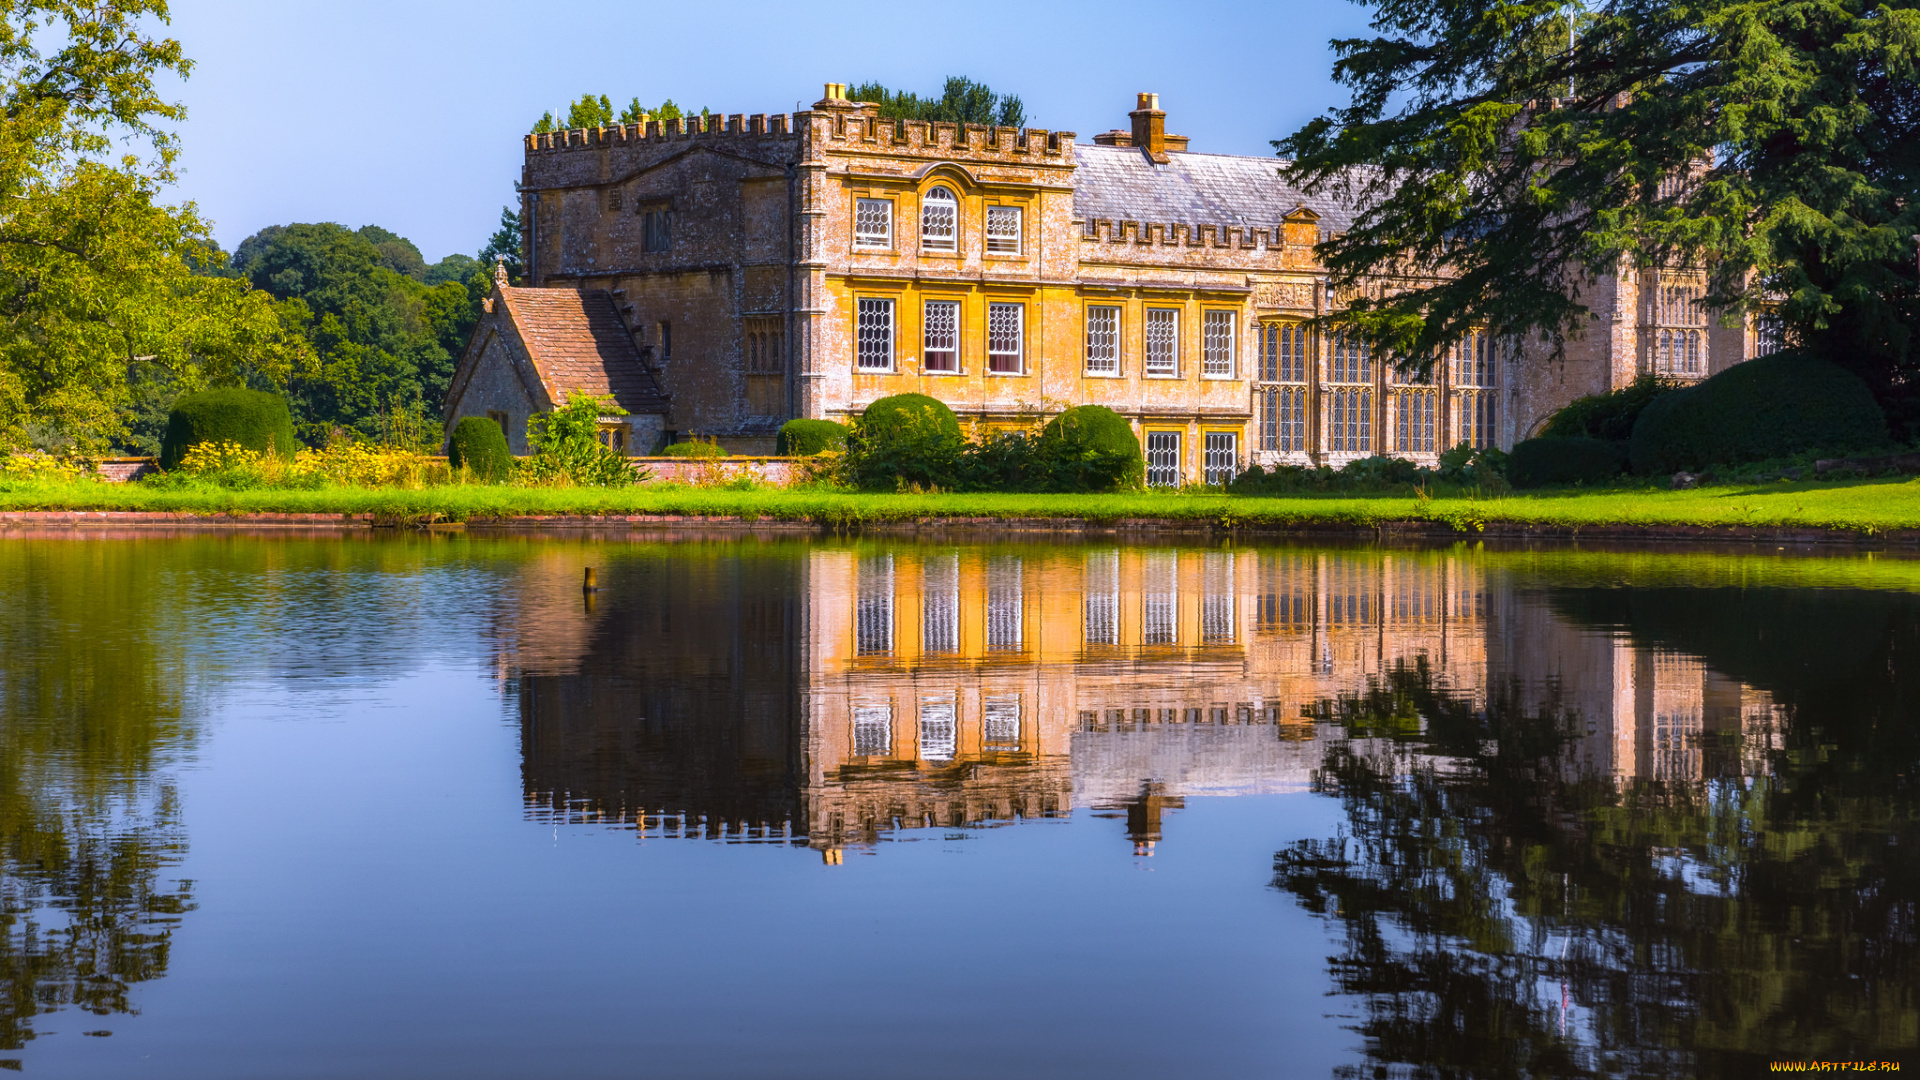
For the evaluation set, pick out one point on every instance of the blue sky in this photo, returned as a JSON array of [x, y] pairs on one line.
[[408, 113]]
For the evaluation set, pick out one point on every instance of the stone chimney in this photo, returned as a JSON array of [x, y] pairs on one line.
[[1150, 128]]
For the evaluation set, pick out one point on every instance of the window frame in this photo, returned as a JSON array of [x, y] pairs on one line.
[[930, 199], [1019, 352], [1420, 425], [656, 225], [867, 242], [892, 331], [1210, 353], [1019, 247], [1119, 326], [1350, 419], [1179, 451], [1211, 472], [1146, 340], [926, 339]]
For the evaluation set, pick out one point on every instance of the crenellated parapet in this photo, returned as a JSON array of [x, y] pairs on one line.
[[1182, 234], [858, 127], [715, 125]]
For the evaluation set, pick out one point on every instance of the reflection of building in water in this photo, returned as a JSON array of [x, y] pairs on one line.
[[1641, 713], [839, 693], [961, 686]]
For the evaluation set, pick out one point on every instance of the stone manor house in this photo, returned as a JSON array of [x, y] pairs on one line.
[[718, 276]]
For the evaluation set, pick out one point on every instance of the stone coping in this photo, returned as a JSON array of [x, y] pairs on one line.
[[137, 522]]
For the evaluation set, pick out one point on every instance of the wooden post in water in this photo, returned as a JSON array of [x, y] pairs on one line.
[[588, 585]]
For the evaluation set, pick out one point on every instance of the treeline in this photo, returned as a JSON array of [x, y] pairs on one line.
[[597, 112], [961, 101]]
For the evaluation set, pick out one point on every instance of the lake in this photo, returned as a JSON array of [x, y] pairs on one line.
[[418, 806]]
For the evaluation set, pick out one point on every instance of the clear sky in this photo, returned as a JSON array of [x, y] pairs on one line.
[[408, 113]]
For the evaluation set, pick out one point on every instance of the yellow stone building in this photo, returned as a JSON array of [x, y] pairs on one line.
[[775, 266]]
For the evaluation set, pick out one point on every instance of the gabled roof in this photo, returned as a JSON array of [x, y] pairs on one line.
[[1119, 183], [579, 344]]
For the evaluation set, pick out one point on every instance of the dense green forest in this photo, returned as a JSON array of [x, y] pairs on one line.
[[386, 329]]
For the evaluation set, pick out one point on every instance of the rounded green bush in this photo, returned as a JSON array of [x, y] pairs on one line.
[[1092, 448], [905, 439], [254, 419], [1572, 460], [901, 412], [1775, 406], [804, 438], [695, 448], [478, 443]]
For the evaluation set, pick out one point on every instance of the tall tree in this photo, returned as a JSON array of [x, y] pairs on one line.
[[97, 284], [1516, 148], [961, 101], [385, 339]]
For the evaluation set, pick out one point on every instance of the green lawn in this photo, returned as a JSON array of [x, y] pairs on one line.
[[1863, 505]]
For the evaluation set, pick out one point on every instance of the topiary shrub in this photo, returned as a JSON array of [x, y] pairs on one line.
[[1578, 460], [805, 438], [254, 419], [1092, 448], [905, 439], [695, 448], [1610, 415], [1775, 406], [478, 444]]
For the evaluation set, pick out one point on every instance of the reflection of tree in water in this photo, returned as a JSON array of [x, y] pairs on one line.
[[90, 710], [1505, 916]]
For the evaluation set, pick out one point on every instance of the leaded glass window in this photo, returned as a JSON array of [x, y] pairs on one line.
[[1163, 341], [1003, 230], [874, 334], [1004, 332], [1217, 334], [939, 220], [940, 337], [873, 223], [1103, 340], [1222, 457], [1163, 458]]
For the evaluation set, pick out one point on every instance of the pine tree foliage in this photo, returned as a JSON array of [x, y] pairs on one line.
[[1504, 151], [961, 101]]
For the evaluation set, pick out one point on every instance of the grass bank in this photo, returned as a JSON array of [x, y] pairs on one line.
[[1862, 506]]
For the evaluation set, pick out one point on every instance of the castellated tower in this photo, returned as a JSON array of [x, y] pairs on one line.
[[766, 267]]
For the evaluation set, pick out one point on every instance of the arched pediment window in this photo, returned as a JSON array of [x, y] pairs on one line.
[[939, 220]]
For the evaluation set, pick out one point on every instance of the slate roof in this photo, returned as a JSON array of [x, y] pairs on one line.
[[1120, 184], [579, 344]]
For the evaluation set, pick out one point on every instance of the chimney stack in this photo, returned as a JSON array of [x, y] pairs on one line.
[[1150, 128]]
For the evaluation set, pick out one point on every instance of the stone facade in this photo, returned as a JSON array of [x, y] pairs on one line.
[[533, 349], [1013, 273]]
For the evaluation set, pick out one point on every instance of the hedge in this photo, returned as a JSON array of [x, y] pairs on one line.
[[1772, 407], [1092, 448], [479, 444], [1577, 460], [804, 438], [695, 448], [1608, 416], [906, 439], [254, 419]]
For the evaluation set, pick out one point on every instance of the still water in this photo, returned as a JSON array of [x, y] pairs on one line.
[[416, 807]]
